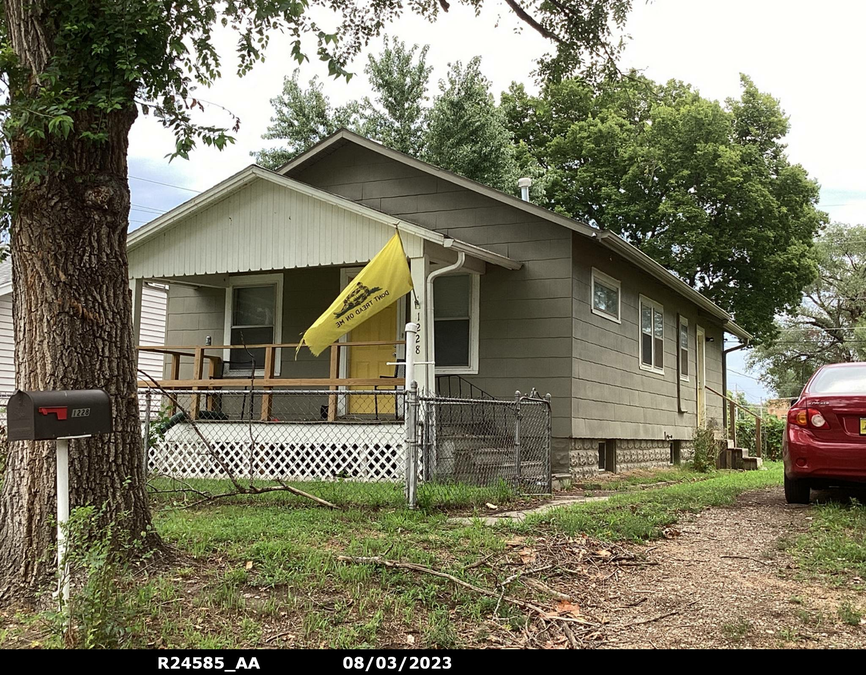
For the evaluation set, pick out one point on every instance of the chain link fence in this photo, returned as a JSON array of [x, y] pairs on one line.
[[485, 442], [364, 436]]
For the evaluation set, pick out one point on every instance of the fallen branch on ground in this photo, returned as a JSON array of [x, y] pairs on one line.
[[656, 618], [382, 562], [745, 557], [239, 488]]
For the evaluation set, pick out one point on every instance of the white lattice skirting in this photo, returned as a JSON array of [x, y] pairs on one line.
[[318, 451]]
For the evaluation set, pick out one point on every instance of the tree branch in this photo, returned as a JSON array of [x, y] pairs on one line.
[[526, 18]]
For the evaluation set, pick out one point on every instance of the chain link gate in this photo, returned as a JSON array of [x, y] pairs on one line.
[[365, 436], [483, 442]]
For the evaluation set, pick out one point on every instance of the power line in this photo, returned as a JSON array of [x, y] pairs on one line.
[[150, 209], [178, 187], [737, 372]]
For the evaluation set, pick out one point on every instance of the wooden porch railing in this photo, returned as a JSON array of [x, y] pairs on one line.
[[732, 420], [215, 380]]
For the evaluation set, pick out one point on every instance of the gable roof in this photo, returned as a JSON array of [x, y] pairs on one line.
[[606, 238], [254, 172]]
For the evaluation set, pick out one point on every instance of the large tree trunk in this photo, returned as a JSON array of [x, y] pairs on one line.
[[73, 330]]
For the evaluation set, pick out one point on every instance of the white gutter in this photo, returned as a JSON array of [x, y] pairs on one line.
[[431, 340]]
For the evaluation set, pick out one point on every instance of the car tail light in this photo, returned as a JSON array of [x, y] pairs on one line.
[[808, 418]]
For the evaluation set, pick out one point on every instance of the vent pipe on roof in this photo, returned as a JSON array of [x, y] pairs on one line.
[[524, 184]]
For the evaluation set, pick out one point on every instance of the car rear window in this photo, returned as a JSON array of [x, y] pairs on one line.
[[847, 380]]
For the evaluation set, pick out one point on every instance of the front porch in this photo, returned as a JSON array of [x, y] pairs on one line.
[[228, 317]]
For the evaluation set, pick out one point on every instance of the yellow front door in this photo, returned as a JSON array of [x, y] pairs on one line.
[[372, 361]]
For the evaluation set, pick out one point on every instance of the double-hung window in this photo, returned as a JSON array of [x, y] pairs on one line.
[[455, 323], [683, 350], [253, 305], [652, 335], [605, 293]]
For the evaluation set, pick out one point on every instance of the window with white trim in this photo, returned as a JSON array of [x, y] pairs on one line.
[[683, 350], [605, 292], [455, 323], [253, 317], [652, 335]]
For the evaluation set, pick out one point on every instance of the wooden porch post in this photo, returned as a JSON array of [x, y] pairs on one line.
[[268, 398], [758, 445], [174, 374], [732, 414], [334, 373], [214, 371], [197, 370]]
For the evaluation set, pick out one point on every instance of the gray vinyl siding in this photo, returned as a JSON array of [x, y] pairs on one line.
[[614, 397], [536, 327], [195, 313], [525, 322]]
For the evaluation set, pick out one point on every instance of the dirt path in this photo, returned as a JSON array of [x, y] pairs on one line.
[[695, 597]]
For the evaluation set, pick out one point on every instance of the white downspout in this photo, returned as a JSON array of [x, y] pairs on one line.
[[431, 340]]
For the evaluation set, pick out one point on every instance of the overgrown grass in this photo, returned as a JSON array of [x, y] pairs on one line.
[[167, 492], [835, 545], [256, 567], [641, 516]]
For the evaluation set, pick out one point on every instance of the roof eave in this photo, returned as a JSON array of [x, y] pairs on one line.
[[469, 184], [254, 172]]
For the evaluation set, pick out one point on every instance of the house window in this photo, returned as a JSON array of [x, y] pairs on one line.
[[605, 296], [652, 335], [253, 318], [684, 348], [455, 323]]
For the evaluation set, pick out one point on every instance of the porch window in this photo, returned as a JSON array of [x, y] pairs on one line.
[[684, 348], [253, 317], [652, 334], [455, 323], [605, 292]]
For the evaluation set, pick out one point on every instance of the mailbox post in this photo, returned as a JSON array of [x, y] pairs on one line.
[[59, 415]]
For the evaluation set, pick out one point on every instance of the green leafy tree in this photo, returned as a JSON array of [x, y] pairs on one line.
[[395, 116], [302, 118], [829, 326], [466, 132], [705, 189], [400, 79], [76, 74]]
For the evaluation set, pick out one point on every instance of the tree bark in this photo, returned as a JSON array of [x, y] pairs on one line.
[[72, 313]]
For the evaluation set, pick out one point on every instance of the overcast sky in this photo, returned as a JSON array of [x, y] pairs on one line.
[[804, 53]]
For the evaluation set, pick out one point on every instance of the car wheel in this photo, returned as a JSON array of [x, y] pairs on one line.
[[797, 491]]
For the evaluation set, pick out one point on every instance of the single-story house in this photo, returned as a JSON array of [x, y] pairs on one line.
[[509, 295], [154, 300]]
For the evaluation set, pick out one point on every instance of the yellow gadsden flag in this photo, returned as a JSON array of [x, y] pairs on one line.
[[384, 280]]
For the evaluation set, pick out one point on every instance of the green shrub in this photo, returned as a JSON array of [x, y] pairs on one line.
[[100, 615], [705, 448], [772, 429]]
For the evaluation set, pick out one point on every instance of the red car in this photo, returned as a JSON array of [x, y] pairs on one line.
[[825, 439]]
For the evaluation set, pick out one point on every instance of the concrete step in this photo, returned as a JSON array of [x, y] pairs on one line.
[[752, 463]]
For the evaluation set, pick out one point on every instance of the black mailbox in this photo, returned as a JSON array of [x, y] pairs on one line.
[[48, 415]]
